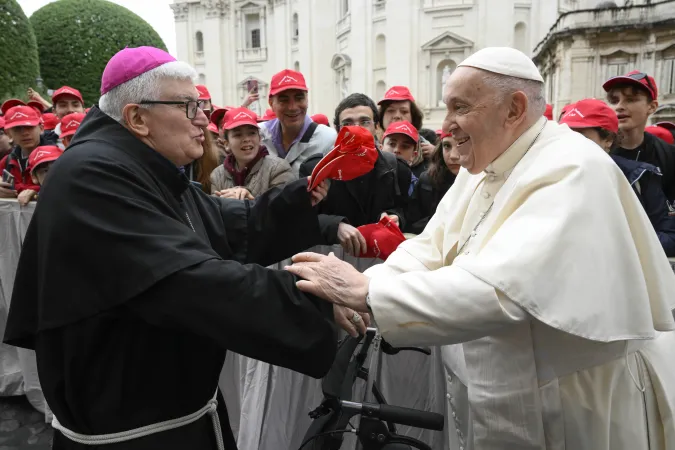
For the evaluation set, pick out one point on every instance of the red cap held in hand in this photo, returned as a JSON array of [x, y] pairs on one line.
[[382, 238], [70, 124], [590, 113], [285, 80], [354, 155], [43, 154], [661, 133], [397, 94]]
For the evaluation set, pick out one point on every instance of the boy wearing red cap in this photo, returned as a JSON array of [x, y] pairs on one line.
[[292, 135], [39, 162], [595, 120], [69, 125], [633, 97], [24, 126]]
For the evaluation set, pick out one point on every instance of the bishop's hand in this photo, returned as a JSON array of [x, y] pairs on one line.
[[331, 279]]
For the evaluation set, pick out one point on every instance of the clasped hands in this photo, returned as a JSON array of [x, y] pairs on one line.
[[241, 193], [338, 282]]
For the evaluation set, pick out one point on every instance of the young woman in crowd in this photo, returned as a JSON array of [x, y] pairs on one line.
[[204, 166], [433, 184], [597, 121], [249, 170], [399, 105]]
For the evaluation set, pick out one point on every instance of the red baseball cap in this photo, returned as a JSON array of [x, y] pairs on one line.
[[67, 90], [404, 127], [444, 135], [22, 116], [353, 155], [218, 114], [636, 78], [382, 238], [37, 105], [70, 124], [50, 121], [238, 117], [661, 133], [212, 127], [396, 94], [321, 118], [439, 132], [666, 125], [11, 103], [269, 115], [43, 154], [591, 113], [287, 79], [203, 92], [549, 112]]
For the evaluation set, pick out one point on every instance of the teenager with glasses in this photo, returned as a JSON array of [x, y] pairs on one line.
[[634, 98]]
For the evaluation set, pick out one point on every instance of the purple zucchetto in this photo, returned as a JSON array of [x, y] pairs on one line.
[[129, 63]]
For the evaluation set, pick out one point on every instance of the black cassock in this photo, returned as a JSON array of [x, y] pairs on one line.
[[132, 284]]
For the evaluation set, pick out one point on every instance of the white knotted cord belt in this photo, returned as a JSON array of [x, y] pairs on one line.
[[113, 438]]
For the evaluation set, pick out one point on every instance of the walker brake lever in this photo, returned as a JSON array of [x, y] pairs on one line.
[[390, 350]]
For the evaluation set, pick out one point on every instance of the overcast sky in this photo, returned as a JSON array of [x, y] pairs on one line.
[[156, 12]]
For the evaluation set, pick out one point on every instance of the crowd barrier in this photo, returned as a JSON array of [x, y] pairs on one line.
[[268, 405]]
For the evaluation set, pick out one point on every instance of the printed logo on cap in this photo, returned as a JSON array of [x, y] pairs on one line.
[[392, 92], [573, 113], [288, 79], [72, 123], [18, 115], [242, 114], [404, 127], [40, 153]]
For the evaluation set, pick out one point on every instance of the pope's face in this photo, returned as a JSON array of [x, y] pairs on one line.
[[475, 118]]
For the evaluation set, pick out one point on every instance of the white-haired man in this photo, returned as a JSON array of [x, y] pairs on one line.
[[542, 265], [131, 284]]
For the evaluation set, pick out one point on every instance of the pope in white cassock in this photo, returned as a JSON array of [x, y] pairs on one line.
[[541, 266]]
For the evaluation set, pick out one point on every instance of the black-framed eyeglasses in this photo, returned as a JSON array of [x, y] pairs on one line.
[[191, 106], [642, 76]]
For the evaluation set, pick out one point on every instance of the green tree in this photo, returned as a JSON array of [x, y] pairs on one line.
[[18, 52], [76, 38]]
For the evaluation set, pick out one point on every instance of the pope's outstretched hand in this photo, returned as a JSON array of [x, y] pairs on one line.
[[331, 279]]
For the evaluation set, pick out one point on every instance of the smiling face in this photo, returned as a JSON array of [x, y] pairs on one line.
[[244, 143], [290, 106], [477, 119], [633, 106]]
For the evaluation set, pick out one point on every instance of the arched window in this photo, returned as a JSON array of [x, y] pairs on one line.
[[443, 71], [296, 28], [296, 66], [341, 64], [199, 41], [380, 90], [520, 37], [380, 51]]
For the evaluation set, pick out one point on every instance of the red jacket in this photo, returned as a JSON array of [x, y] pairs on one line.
[[22, 178]]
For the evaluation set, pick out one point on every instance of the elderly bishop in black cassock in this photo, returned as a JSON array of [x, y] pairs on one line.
[[129, 272]]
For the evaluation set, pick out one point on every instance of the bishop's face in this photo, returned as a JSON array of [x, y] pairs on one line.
[[475, 118]]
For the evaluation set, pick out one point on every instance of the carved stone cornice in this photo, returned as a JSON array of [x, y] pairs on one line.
[[215, 8], [180, 11]]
